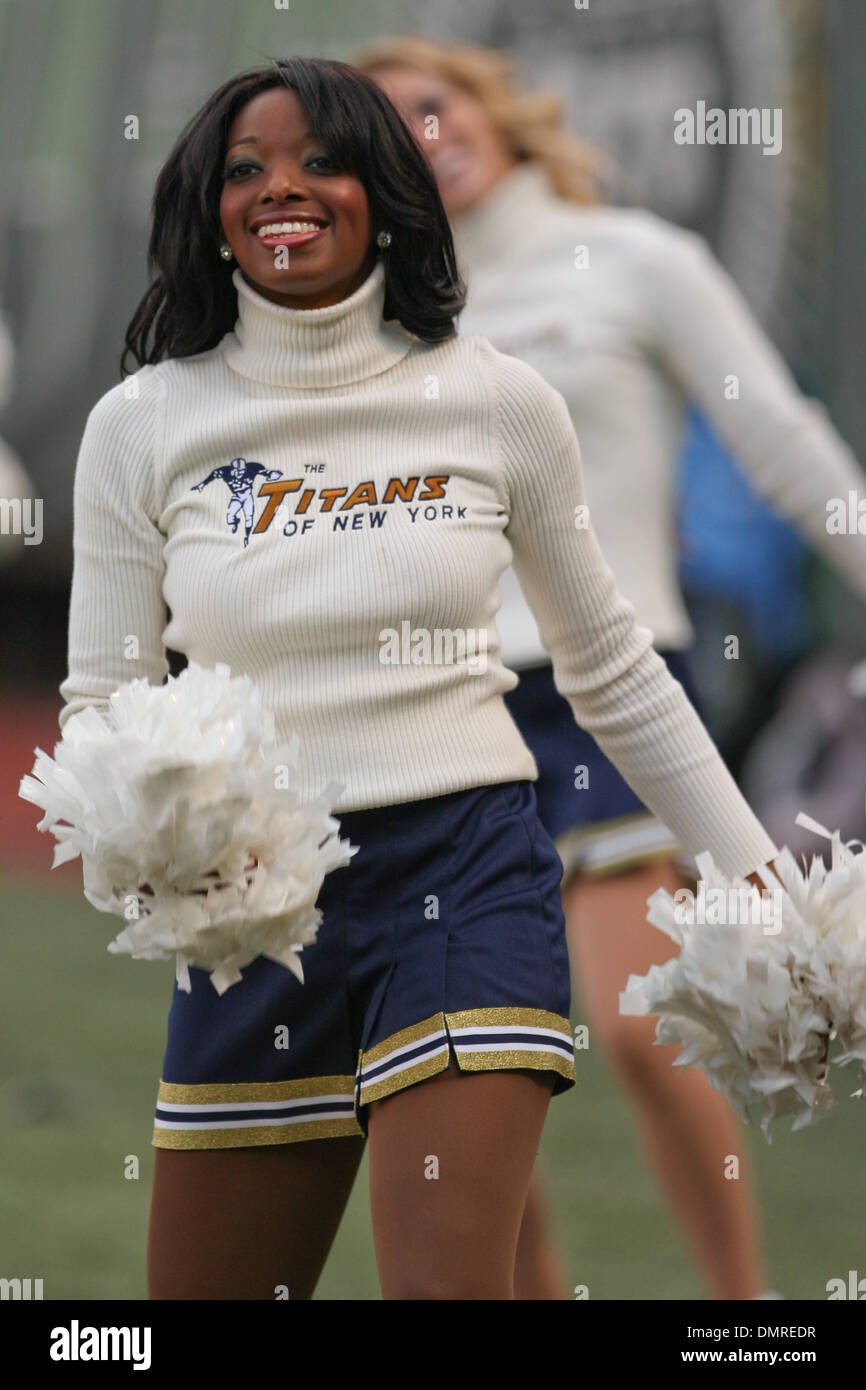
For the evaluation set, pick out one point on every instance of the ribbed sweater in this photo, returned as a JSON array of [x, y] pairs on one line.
[[631, 318], [385, 484]]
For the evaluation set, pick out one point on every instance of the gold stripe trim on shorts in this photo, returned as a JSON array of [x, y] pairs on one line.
[[427, 1066], [533, 1018], [518, 1057], [502, 1060], [435, 1059], [258, 1134], [406, 1036], [308, 1087], [494, 1059]]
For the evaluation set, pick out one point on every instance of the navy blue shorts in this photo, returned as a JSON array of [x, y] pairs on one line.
[[443, 937], [598, 824]]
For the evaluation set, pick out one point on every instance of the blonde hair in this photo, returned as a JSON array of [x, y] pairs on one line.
[[531, 122]]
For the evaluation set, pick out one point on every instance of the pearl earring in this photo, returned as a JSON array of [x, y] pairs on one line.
[[226, 252], [383, 240]]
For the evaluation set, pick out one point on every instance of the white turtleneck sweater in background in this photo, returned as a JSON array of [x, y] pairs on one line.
[[631, 318], [410, 475]]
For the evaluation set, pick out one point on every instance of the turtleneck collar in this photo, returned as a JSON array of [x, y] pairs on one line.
[[333, 346], [523, 193]]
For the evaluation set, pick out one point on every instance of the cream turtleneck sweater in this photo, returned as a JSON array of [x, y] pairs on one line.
[[321, 478], [630, 318]]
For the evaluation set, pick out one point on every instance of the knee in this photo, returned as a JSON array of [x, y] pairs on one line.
[[443, 1269]]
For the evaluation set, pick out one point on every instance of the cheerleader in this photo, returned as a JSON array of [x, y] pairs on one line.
[[629, 318], [298, 338]]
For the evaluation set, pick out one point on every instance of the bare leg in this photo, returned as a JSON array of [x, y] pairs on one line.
[[242, 1223], [539, 1272], [688, 1128], [450, 1163]]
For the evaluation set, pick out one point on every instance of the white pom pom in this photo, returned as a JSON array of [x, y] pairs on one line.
[[189, 824], [757, 1002]]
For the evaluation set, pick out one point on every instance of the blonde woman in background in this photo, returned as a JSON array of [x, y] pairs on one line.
[[630, 318]]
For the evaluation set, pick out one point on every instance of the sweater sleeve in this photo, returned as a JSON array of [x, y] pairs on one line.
[[604, 664], [117, 612], [706, 335]]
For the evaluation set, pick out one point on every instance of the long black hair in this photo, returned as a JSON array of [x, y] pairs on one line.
[[191, 302]]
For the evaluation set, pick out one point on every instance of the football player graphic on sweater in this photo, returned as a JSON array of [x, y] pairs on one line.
[[240, 476]]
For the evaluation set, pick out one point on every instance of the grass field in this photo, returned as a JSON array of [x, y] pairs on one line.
[[81, 1039]]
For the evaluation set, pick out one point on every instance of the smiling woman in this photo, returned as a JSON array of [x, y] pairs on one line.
[[283, 189], [302, 140]]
